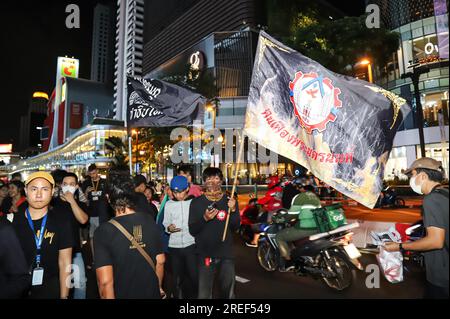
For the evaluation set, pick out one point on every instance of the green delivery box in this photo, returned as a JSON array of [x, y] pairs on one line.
[[329, 217]]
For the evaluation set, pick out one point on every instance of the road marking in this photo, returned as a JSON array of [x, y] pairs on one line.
[[242, 280]]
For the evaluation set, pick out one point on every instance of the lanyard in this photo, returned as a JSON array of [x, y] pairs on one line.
[[96, 186], [37, 239]]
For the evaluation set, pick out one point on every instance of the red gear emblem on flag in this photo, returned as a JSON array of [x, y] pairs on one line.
[[315, 100], [222, 215]]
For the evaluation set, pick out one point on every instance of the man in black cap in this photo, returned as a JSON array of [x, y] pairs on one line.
[[426, 176]]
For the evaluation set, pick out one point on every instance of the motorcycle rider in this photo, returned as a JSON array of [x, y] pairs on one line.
[[305, 225], [291, 190], [426, 176], [270, 202]]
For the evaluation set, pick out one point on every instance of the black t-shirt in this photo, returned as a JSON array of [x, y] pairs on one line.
[[66, 212], [57, 236], [98, 205], [289, 193], [14, 276], [143, 206], [208, 235], [436, 214], [134, 278]]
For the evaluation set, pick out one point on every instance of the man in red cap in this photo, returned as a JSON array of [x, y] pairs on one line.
[[426, 176]]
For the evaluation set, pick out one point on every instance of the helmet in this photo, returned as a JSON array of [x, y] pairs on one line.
[[272, 181], [273, 205], [299, 181]]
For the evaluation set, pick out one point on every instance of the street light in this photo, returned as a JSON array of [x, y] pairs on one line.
[[369, 68]]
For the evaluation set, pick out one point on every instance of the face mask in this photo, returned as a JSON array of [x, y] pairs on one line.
[[69, 188], [416, 188]]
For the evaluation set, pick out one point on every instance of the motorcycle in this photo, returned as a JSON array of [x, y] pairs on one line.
[[390, 199], [328, 256], [259, 211]]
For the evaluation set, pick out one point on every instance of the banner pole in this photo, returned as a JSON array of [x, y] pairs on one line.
[[130, 158], [241, 149]]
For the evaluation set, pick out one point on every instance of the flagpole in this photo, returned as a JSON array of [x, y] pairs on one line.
[[241, 149]]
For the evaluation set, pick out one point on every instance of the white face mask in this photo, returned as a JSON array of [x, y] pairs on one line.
[[69, 188], [416, 188]]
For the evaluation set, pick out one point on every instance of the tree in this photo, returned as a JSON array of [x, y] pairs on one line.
[[342, 42], [334, 42]]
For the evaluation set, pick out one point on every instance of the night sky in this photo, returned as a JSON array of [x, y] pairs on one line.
[[33, 34]]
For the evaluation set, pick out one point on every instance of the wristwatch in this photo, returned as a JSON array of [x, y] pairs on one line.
[[400, 247]]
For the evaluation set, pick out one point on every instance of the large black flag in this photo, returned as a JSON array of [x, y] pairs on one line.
[[340, 128], [154, 102]]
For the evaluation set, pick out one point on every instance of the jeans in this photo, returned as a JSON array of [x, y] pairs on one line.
[[224, 268], [79, 277], [184, 271]]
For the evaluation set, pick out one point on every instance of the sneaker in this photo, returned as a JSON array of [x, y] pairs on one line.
[[251, 245]]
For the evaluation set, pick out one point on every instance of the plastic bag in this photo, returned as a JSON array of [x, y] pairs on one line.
[[391, 263]]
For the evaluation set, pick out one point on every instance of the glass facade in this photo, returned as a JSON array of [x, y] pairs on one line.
[[88, 146], [418, 45]]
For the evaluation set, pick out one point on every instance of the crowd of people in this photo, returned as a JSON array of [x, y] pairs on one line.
[[142, 240]]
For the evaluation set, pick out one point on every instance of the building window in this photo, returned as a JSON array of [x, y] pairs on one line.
[[435, 108], [435, 151]]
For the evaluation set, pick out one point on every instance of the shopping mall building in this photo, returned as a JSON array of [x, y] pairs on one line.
[[423, 29]]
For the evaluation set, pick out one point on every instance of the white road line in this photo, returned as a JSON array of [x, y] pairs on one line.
[[242, 280]]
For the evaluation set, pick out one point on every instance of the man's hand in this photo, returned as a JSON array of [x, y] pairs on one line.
[[68, 197], [232, 204], [392, 247], [173, 229], [210, 214], [89, 189]]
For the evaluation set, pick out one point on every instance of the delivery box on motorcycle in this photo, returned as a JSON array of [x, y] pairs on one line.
[[329, 217]]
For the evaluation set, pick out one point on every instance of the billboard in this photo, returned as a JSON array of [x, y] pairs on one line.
[[67, 67]]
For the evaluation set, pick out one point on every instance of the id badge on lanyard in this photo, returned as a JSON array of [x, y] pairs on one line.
[[38, 272]]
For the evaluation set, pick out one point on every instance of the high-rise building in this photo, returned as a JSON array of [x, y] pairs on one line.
[[128, 49], [32, 122], [102, 60]]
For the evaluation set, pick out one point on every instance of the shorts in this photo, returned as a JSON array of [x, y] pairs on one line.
[[94, 222]]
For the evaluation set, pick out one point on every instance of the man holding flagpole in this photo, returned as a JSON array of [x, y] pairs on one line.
[[207, 217]]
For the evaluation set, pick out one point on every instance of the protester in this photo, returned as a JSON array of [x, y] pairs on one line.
[[74, 211], [58, 176], [45, 238], [426, 176], [14, 276], [16, 177], [142, 204], [123, 270], [181, 244], [5, 200], [207, 216], [98, 210], [150, 195], [17, 194], [194, 190]]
